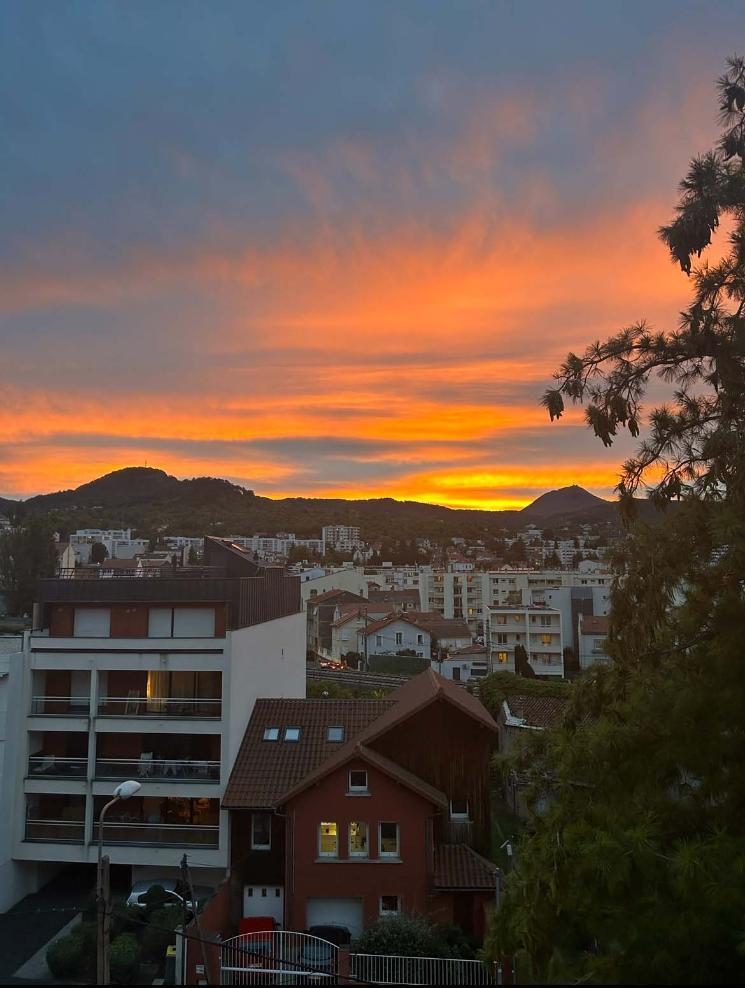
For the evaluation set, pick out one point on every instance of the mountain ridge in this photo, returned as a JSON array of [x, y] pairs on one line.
[[152, 500]]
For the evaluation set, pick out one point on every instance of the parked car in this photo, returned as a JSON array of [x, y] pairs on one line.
[[175, 892], [340, 936], [330, 664]]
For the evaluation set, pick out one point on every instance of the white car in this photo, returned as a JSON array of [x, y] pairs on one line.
[[174, 888]]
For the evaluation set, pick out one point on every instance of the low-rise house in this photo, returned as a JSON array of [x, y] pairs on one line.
[[343, 811], [401, 600], [592, 635], [395, 633], [466, 664], [320, 617], [349, 619]]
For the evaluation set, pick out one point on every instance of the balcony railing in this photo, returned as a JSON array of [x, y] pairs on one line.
[[57, 766], [140, 706], [160, 769], [56, 831], [60, 706], [168, 834]]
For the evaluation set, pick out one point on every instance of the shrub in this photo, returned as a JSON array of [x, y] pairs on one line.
[[64, 956], [159, 933], [414, 936], [124, 959]]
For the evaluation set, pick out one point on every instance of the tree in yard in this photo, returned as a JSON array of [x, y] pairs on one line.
[[27, 553], [552, 560], [99, 552], [516, 552], [635, 871]]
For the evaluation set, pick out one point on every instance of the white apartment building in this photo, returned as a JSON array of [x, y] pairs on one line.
[[118, 542], [341, 538], [152, 680], [592, 635], [537, 629], [344, 578], [469, 595]]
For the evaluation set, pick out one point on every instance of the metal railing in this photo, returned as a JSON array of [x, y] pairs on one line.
[[377, 969], [167, 834], [58, 766], [278, 957], [141, 706], [162, 769], [55, 831], [60, 706]]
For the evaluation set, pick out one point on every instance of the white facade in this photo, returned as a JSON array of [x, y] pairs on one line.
[[342, 538], [142, 696], [346, 578], [537, 629], [396, 636], [118, 542]]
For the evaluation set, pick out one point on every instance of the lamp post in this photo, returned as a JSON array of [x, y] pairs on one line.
[[122, 791]]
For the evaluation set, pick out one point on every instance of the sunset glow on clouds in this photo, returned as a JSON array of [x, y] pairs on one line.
[[326, 250]]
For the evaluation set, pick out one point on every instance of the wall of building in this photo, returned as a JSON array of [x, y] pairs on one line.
[[351, 878], [340, 579]]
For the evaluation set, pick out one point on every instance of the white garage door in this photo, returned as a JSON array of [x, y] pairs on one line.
[[336, 912]]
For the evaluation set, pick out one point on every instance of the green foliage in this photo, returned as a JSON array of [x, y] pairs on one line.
[[158, 934], [401, 665], [414, 936], [99, 552], [635, 870], [26, 553], [74, 955], [499, 686], [124, 959], [336, 691]]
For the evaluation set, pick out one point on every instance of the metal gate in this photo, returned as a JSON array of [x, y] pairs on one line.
[[379, 969], [280, 957]]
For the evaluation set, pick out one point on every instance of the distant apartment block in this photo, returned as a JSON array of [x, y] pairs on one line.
[[538, 630], [150, 679], [118, 542], [341, 538]]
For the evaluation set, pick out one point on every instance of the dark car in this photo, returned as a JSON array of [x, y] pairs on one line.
[[340, 936]]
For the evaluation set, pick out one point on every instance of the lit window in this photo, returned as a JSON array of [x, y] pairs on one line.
[[292, 734], [503, 657], [545, 639], [389, 905], [328, 840], [335, 734], [358, 843], [388, 840], [261, 831], [358, 781], [459, 809], [271, 733]]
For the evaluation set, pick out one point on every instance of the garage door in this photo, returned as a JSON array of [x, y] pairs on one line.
[[336, 912]]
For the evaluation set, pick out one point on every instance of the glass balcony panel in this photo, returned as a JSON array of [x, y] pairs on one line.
[[55, 831], [60, 706], [160, 769], [138, 706], [170, 834], [57, 766]]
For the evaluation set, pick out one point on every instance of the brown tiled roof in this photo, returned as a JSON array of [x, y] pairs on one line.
[[121, 564], [266, 771], [537, 711], [263, 770], [441, 627], [460, 867], [352, 610], [469, 650], [328, 595], [594, 625], [394, 595], [355, 750], [389, 619]]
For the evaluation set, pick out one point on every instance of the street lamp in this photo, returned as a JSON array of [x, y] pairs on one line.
[[123, 791]]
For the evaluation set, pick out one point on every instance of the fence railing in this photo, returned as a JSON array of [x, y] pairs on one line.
[[162, 769], [377, 969], [167, 834], [278, 957], [57, 765], [60, 706], [141, 706], [55, 831]]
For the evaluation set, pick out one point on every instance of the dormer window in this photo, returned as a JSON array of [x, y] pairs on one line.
[[335, 734], [292, 734], [271, 733]]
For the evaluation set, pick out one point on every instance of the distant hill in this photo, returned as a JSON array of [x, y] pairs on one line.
[[566, 501], [152, 501]]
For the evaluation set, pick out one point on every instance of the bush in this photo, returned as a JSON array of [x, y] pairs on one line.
[[74, 956], [124, 959], [159, 933], [414, 936]]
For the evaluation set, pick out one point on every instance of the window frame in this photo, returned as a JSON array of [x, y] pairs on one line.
[[271, 734], [383, 913], [459, 816], [321, 852], [292, 727], [389, 854], [358, 854], [358, 789], [254, 845], [335, 727]]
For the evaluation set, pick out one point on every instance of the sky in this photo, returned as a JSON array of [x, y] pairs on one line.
[[335, 249]]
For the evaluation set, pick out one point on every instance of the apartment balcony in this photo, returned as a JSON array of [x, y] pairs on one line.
[[128, 706], [60, 692], [157, 769], [60, 706], [154, 821], [57, 767], [155, 693], [55, 817], [160, 834]]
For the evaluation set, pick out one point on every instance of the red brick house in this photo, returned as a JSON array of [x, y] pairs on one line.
[[343, 811]]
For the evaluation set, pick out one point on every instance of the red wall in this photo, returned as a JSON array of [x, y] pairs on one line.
[[352, 878]]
